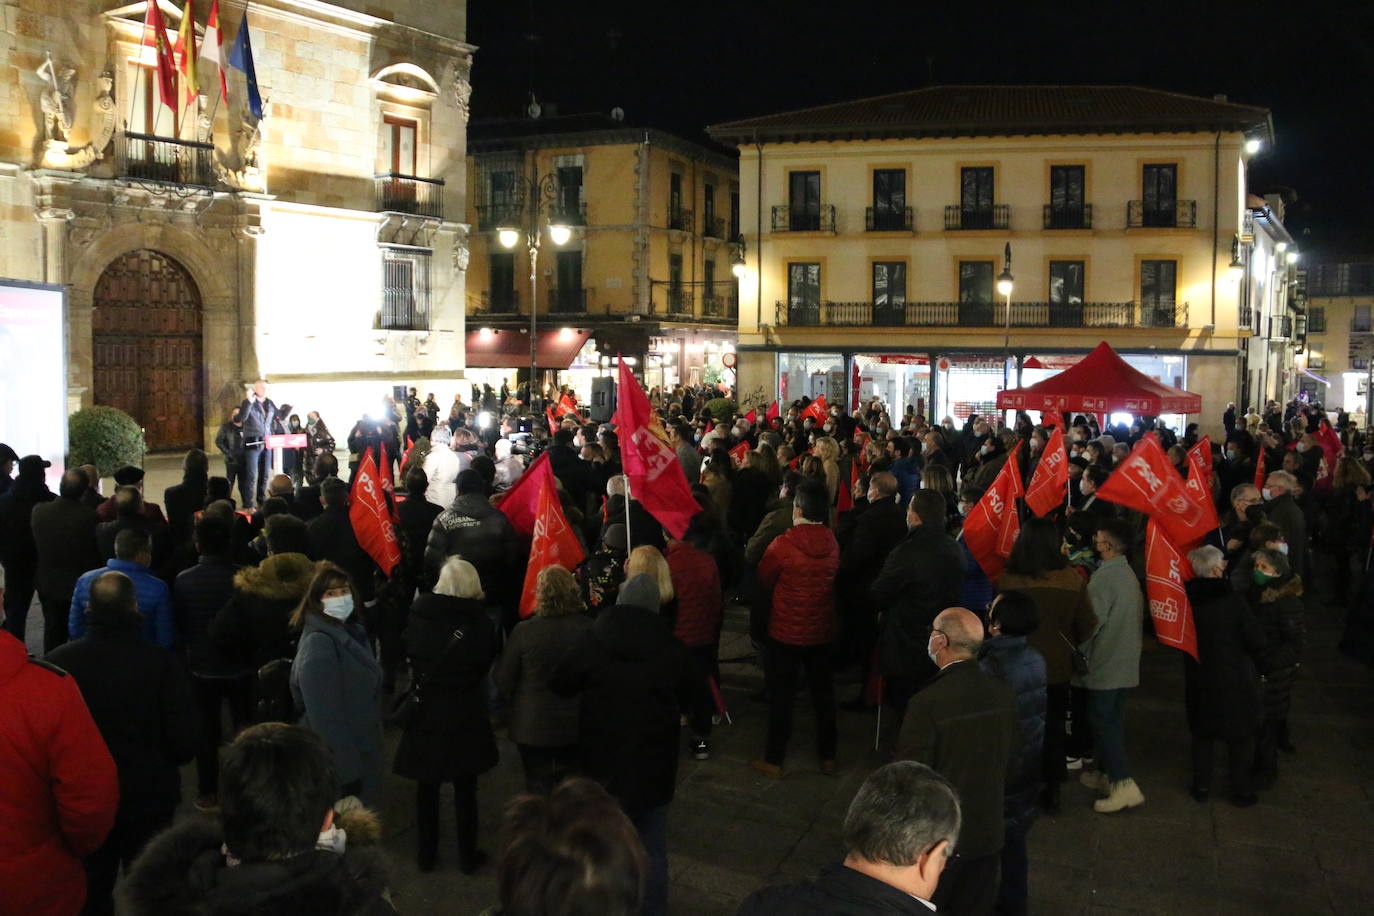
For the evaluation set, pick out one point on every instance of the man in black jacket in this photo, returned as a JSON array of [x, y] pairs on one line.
[[140, 700], [481, 533], [964, 726], [183, 500], [64, 535], [197, 596], [261, 418], [921, 576], [898, 835], [229, 441], [18, 552], [129, 513], [634, 679], [881, 527], [1282, 509], [332, 537]]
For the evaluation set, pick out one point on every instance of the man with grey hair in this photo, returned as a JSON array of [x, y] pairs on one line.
[[898, 835], [1281, 508], [964, 725]]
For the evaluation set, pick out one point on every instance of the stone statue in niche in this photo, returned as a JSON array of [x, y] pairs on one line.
[[461, 255], [250, 138], [462, 86], [55, 103]]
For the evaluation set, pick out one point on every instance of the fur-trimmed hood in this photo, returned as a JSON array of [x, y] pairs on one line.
[[282, 576], [1274, 591], [183, 872]]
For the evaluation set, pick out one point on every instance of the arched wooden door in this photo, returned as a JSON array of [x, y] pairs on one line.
[[147, 347]]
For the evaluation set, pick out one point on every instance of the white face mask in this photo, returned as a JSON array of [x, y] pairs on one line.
[[1267, 493], [1301, 447], [1283, 548], [1231, 454], [340, 607], [931, 652]]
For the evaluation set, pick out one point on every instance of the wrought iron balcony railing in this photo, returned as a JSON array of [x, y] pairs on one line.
[[681, 219], [1079, 217], [959, 217], [1176, 214], [724, 307], [499, 302], [146, 157], [804, 219], [713, 227], [569, 214], [885, 219], [410, 194], [984, 314]]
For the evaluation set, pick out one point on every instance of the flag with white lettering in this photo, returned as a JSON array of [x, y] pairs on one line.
[[1165, 572], [1049, 483], [371, 519], [554, 543], [993, 524], [1146, 481]]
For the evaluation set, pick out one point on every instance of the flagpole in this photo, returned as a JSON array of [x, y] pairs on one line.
[[627, 513]]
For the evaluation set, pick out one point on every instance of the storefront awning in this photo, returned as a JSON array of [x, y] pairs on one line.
[[510, 349]]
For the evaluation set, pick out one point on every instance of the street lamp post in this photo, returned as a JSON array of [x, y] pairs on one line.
[[534, 196], [1005, 283]]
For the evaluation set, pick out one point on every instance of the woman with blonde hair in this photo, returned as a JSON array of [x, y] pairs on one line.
[[451, 642], [828, 450], [543, 725], [649, 561], [336, 682]]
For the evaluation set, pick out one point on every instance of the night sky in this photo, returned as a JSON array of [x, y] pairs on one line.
[[683, 66]]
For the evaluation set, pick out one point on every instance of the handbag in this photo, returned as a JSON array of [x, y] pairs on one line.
[[406, 707], [1077, 659]]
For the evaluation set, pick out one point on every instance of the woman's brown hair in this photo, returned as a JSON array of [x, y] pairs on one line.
[[556, 593], [327, 577]]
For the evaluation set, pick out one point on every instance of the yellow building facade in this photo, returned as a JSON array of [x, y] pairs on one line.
[[645, 271], [320, 247], [877, 233], [1340, 335]]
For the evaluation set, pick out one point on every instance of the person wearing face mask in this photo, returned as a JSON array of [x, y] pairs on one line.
[[1275, 594], [1281, 508], [336, 682]]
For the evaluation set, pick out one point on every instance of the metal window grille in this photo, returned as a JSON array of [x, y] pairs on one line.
[[405, 289]]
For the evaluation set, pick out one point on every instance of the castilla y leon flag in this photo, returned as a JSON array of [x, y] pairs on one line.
[[212, 48], [371, 519], [1165, 572], [1202, 450], [1049, 483], [772, 413], [554, 543], [992, 525], [1201, 493], [521, 502], [1147, 482], [155, 37], [655, 474], [817, 409]]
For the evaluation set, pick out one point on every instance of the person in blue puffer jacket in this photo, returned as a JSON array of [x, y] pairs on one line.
[[1006, 656]]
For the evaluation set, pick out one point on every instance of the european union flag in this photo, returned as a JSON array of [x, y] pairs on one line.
[[241, 58]]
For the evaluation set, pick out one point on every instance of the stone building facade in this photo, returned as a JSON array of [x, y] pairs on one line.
[[321, 248]]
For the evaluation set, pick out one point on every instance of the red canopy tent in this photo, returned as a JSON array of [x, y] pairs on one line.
[[1102, 382]]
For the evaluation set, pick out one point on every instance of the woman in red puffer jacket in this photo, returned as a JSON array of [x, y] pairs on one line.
[[799, 567]]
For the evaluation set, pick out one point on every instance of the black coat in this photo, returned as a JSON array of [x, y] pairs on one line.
[[1279, 608], [140, 699], [922, 575], [1287, 514], [450, 735], [479, 532], [17, 548], [880, 528], [634, 678], [181, 502], [417, 516], [749, 500], [198, 594], [964, 726], [254, 627], [64, 535], [229, 440], [644, 528], [1222, 686], [183, 873], [837, 891], [106, 532], [1022, 668], [332, 539]]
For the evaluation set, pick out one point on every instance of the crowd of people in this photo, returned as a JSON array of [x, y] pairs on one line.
[[838, 531]]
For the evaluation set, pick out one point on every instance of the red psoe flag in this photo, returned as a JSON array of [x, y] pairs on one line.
[[844, 500], [553, 421], [1147, 482], [772, 413], [993, 524], [566, 405], [1165, 573], [1201, 493], [1202, 450], [371, 518], [155, 37], [656, 477], [738, 453], [554, 543], [817, 409], [752, 416], [1259, 468], [521, 502], [388, 482], [1049, 484]]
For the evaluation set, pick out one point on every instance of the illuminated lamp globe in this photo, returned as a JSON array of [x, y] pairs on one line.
[[507, 237], [559, 234], [739, 270], [1004, 283]]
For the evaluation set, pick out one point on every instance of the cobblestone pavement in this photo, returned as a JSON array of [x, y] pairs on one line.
[[1308, 847]]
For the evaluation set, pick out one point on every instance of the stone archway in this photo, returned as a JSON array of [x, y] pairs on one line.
[[146, 346]]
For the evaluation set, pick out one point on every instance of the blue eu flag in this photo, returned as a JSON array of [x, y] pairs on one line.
[[241, 58]]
